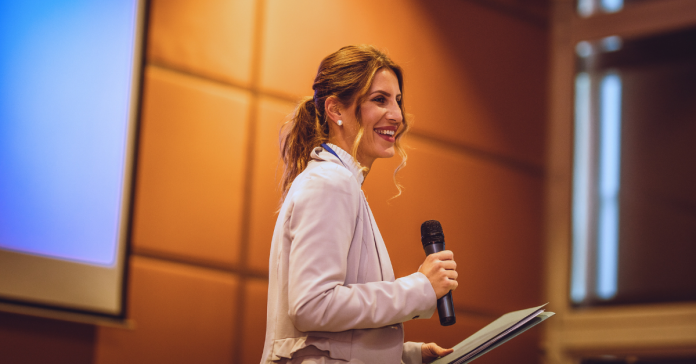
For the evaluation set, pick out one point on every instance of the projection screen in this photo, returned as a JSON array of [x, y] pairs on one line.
[[70, 74]]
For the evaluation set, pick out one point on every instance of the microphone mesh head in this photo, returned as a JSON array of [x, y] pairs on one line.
[[431, 232]]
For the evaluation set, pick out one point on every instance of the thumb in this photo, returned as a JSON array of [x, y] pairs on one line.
[[435, 350], [441, 351]]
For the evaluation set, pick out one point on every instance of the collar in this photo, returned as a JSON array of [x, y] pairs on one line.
[[346, 160]]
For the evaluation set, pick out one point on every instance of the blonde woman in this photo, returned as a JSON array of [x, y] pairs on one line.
[[332, 295]]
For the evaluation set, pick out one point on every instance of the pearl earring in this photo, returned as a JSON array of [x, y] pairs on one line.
[[340, 122]]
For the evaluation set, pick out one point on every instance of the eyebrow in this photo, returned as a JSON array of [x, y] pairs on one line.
[[385, 93]]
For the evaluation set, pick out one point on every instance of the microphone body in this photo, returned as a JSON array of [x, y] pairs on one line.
[[434, 241]]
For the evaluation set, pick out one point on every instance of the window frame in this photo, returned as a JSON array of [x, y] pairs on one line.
[[575, 333]]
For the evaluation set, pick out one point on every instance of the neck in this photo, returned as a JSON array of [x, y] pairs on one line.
[[341, 143], [345, 146]]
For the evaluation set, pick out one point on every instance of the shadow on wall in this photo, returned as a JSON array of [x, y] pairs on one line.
[[30, 340]]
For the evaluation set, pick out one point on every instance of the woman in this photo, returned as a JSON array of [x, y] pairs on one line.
[[332, 295]]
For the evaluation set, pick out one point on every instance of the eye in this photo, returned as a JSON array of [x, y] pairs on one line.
[[379, 99]]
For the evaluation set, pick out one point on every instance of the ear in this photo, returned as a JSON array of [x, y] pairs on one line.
[[332, 109]]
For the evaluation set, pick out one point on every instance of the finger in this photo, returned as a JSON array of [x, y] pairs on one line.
[[451, 274], [453, 285], [433, 257], [444, 255], [442, 352], [439, 351], [448, 264], [445, 352]]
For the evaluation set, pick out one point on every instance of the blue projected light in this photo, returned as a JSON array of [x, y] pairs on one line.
[[65, 71], [609, 183]]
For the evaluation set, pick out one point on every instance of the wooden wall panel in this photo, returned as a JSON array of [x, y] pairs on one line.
[[503, 61], [191, 163], [267, 172], [474, 76], [30, 340], [210, 38], [490, 214], [182, 314], [254, 324], [293, 46]]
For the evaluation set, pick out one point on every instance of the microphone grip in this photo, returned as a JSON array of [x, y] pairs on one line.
[[445, 307]]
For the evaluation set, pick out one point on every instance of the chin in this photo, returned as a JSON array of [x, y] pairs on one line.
[[388, 153], [379, 151]]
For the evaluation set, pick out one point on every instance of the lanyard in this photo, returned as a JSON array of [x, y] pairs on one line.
[[328, 149]]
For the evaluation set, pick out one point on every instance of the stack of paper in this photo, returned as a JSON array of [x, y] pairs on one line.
[[495, 334]]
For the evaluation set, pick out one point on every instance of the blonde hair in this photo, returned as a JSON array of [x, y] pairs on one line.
[[346, 75]]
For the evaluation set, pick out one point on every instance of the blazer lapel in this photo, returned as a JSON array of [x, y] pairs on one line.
[[383, 255]]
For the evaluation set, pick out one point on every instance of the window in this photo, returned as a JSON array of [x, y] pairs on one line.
[[634, 206]]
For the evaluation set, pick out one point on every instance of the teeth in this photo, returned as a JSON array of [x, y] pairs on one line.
[[386, 132]]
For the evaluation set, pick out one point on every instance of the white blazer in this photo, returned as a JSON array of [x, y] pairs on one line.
[[332, 296]]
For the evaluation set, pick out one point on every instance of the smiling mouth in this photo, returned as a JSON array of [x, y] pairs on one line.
[[386, 134]]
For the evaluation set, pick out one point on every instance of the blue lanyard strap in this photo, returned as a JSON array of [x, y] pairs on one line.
[[328, 149]]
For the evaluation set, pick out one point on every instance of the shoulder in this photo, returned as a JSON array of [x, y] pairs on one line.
[[323, 191], [323, 177]]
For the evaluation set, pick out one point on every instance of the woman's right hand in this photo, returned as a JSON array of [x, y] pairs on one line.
[[441, 270]]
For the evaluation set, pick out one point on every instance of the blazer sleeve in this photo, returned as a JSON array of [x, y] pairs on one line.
[[321, 227], [412, 353]]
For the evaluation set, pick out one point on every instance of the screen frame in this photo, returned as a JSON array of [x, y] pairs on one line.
[[110, 310]]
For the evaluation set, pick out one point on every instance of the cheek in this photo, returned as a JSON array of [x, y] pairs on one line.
[[370, 116]]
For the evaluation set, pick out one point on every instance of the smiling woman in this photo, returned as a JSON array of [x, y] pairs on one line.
[[332, 295], [380, 115], [347, 81]]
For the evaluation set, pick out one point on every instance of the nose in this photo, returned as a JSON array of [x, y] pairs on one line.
[[394, 113]]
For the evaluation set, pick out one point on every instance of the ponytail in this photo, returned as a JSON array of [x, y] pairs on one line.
[[298, 136]]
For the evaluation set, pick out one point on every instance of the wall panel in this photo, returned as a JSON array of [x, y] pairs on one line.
[[474, 77], [191, 163], [210, 38], [29, 340], [503, 61], [299, 34], [254, 324], [182, 314], [268, 170]]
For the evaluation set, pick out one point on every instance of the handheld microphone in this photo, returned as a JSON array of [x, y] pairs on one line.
[[434, 241]]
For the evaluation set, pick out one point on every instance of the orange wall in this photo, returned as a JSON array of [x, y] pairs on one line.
[[222, 76]]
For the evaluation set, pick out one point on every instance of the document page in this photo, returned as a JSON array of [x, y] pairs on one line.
[[494, 334]]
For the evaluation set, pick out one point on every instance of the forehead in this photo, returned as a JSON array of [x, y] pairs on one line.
[[385, 80]]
